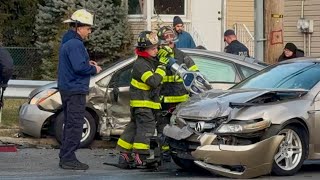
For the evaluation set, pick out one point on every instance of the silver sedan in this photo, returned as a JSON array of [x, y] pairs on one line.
[[107, 111]]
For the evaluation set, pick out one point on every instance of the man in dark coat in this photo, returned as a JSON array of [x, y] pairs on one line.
[[74, 71], [6, 66], [6, 71], [234, 46]]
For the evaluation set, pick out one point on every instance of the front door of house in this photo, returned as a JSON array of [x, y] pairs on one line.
[[206, 20]]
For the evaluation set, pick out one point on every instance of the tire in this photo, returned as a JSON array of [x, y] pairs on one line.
[[89, 129], [292, 151]]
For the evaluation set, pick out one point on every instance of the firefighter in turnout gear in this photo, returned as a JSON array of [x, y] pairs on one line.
[[172, 91], [147, 76]]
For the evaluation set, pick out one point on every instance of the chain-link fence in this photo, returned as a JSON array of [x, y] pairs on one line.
[[26, 62]]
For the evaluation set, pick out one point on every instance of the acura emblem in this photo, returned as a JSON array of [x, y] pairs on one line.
[[199, 126]]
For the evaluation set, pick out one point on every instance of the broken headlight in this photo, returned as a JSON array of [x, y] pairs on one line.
[[234, 127], [40, 97]]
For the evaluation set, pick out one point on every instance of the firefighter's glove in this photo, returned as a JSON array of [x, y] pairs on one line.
[[165, 51], [168, 62]]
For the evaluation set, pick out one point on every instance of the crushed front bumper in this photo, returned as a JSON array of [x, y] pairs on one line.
[[177, 133], [31, 119], [254, 160]]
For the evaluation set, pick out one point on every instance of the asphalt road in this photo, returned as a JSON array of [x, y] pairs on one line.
[[43, 164]]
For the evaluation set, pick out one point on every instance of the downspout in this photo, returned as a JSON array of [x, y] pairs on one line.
[[309, 44], [304, 34]]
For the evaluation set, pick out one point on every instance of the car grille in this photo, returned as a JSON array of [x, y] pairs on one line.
[[205, 126]]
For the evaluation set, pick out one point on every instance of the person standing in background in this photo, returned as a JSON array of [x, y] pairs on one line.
[[290, 51], [185, 40], [234, 46]]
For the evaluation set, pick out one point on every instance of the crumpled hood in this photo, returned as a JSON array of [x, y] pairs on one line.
[[215, 103]]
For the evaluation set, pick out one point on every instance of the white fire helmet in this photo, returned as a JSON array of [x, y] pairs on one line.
[[81, 16]]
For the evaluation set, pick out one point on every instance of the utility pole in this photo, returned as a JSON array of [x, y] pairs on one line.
[[273, 18]]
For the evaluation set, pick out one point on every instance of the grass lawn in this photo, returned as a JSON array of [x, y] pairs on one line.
[[10, 113]]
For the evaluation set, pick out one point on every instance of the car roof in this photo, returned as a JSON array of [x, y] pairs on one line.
[[246, 61]]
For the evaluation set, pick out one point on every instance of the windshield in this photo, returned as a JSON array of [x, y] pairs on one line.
[[302, 75]]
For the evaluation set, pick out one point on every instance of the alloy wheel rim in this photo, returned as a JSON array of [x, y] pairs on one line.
[[290, 150], [86, 130]]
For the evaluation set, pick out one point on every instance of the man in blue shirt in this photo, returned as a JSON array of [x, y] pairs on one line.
[[74, 71], [184, 38]]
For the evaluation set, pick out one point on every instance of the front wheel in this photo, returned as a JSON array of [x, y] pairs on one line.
[[292, 151], [187, 164], [88, 133]]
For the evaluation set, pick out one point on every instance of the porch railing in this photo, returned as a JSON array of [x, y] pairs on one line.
[[195, 34]]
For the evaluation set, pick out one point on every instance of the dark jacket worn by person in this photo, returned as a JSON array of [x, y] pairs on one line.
[[298, 53], [6, 66], [237, 48], [293, 48], [173, 90], [74, 69], [144, 101], [145, 83]]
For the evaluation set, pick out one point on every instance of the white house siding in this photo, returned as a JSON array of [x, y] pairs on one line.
[[292, 12]]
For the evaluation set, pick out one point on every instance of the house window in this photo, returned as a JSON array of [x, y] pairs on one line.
[[169, 7], [135, 7]]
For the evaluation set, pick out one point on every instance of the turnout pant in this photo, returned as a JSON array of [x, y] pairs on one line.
[[136, 136], [74, 108], [163, 118]]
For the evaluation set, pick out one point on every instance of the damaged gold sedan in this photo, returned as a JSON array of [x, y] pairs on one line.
[[268, 123]]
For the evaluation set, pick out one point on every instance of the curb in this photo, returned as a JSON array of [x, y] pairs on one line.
[[49, 143], [11, 132], [11, 136]]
